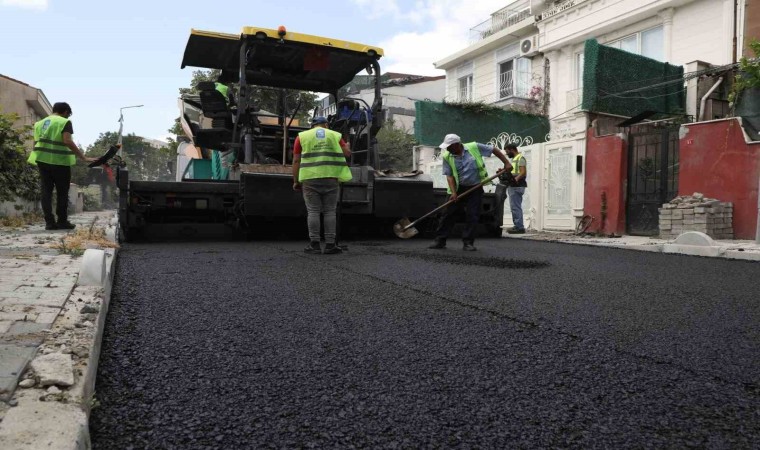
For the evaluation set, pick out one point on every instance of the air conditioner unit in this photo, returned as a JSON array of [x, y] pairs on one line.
[[529, 46]]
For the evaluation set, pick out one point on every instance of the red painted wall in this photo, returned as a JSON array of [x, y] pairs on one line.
[[606, 172], [716, 161]]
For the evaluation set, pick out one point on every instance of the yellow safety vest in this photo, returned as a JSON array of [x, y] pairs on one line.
[[321, 156], [48, 143], [471, 147]]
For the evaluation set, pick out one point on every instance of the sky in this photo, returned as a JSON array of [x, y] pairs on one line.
[[102, 55]]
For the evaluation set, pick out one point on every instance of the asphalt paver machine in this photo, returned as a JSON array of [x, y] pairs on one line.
[[238, 160]]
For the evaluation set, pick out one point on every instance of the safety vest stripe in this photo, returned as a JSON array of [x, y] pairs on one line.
[[318, 154], [50, 150], [51, 142], [324, 163]]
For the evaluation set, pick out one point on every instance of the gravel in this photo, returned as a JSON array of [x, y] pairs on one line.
[[391, 345]]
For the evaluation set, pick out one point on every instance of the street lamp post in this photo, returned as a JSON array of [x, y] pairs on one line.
[[121, 123]]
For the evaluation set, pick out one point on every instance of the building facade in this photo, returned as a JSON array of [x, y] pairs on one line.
[[530, 55], [20, 98], [399, 93]]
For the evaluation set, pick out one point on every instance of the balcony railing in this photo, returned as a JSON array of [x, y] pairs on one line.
[[514, 84], [498, 21], [465, 94], [574, 99]]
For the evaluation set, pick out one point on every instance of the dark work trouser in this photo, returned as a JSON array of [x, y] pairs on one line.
[[58, 177], [471, 206]]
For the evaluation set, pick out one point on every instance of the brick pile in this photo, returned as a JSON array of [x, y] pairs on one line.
[[697, 213]]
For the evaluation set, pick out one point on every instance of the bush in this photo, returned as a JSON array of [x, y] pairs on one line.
[[18, 179]]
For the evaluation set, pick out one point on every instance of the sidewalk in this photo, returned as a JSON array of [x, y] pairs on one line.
[[687, 245], [51, 323]]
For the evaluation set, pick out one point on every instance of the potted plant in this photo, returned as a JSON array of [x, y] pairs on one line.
[[745, 94]]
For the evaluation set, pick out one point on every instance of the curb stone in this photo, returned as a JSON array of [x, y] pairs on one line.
[[53, 418]]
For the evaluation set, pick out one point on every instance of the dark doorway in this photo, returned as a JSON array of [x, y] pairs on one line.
[[652, 177]]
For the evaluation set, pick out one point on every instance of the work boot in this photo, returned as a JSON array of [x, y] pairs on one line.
[[438, 245], [332, 249], [313, 248], [65, 225], [468, 247], [516, 230]]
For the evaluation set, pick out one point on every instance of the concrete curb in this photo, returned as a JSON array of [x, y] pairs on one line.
[[717, 250], [63, 423]]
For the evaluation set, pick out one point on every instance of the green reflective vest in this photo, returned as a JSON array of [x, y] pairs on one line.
[[48, 143], [222, 88], [471, 147], [321, 156], [516, 170]]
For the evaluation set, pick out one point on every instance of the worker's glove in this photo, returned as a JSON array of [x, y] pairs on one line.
[[507, 179]]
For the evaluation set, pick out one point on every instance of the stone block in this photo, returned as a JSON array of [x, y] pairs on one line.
[[665, 226], [678, 214], [54, 369]]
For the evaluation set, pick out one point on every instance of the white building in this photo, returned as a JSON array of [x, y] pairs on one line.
[[399, 92], [529, 47]]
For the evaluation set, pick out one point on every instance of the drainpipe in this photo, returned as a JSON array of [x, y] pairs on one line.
[[704, 99]]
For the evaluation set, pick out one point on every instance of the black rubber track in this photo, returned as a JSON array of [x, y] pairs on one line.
[[519, 345]]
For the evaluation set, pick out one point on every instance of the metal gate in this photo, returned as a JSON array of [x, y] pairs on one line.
[[652, 178]]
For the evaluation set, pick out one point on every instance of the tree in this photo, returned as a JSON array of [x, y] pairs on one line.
[[18, 179], [395, 144], [144, 161]]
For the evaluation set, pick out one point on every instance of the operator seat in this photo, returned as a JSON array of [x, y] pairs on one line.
[[214, 107]]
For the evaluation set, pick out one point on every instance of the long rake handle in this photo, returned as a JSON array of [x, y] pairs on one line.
[[465, 193]]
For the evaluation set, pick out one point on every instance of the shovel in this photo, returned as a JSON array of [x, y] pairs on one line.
[[405, 229]]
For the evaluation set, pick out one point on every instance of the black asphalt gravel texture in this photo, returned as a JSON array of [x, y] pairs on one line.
[[391, 345]]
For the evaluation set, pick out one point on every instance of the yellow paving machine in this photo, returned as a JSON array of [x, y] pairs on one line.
[[234, 173]]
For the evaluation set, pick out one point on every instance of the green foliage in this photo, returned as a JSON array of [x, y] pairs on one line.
[[143, 161], [474, 122], [475, 107], [17, 177], [749, 72], [395, 145]]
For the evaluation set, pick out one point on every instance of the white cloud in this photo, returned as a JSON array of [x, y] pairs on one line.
[[444, 30], [39, 5]]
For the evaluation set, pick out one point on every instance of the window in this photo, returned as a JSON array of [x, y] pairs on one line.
[[579, 61], [464, 81], [514, 78], [465, 88], [649, 43]]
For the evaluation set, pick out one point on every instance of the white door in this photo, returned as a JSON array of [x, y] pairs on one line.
[[559, 170]]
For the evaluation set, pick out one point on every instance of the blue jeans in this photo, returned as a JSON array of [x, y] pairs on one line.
[[515, 204]]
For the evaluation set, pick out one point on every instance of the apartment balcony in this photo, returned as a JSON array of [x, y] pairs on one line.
[[504, 18]]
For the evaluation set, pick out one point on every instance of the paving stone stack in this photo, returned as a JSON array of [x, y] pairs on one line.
[[697, 213]]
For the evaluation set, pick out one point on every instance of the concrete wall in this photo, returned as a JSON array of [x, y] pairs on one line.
[[716, 160], [28, 102], [606, 172]]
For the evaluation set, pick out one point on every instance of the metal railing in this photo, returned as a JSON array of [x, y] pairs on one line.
[[498, 21], [514, 84]]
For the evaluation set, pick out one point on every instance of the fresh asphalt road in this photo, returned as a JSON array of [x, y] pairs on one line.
[[390, 345]]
